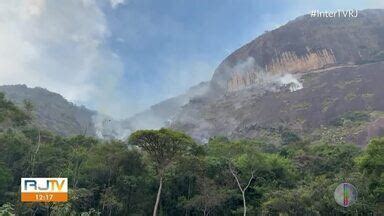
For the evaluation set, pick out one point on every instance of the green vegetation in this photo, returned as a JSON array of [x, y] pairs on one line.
[[164, 172], [350, 96], [376, 56], [342, 85], [327, 103], [10, 115], [353, 117], [164, 147], [301, 106]]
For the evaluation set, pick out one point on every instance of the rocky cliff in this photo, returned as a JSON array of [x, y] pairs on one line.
[[317, 77], [325, 97], [305, 44], [337, 64], [287, 62]]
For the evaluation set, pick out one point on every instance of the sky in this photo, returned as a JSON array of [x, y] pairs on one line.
[[120, 57]]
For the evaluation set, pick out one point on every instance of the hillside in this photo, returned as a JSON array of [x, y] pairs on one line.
[[306, 44], [297, 178], [51, 111], [324, 97], [299, 77]]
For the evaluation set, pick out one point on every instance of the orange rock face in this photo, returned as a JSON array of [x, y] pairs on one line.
[[287, 62]]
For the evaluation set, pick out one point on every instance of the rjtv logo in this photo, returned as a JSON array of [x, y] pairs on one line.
[[44, 189]]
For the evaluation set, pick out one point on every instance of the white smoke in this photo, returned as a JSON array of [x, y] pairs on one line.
[[155, 118], [60, 45], [291, 81], [108, 128], [247, 66], [277, 82], [265, 80]]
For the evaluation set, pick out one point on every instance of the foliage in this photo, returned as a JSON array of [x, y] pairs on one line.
[[7, 209], [10, 114], [162, 146], [223, 177], [371, 164], [351, 117], [288, 137]]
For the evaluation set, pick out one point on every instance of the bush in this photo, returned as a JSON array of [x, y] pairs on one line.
[[351, 117]]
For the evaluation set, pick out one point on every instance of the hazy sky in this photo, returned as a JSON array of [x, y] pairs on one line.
[[121, 56]]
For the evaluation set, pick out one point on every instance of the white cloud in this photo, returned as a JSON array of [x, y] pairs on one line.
[[181, 75], [59, 45], [375, 3], [116, 3]]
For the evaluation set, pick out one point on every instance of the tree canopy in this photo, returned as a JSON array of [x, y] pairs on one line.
[[165, 172]]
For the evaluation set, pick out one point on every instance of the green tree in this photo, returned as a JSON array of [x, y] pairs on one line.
[[80, 147], [242, 160], [28, 106], [371, 163], [325, 159], [209, 197], [164, 147], [5, 180], [10, 114], [7, 209], [288, 137]]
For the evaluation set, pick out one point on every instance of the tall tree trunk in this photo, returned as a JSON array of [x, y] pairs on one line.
[[34, 155], [188, 197], [243, 190], [244, 204], [158, 196]]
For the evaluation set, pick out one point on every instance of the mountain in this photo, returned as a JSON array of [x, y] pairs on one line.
[[301, 77], [306, 44], [51, 111], [54, 113], [319, 78], [163, 113]]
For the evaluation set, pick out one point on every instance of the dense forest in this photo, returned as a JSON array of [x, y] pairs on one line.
[[165, 172]]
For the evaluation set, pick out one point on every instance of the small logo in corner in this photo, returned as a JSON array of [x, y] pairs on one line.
[[44, 189], [345, 194]]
